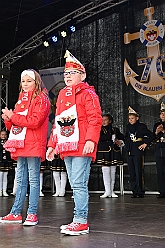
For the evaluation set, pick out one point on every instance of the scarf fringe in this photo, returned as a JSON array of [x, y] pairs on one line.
[[64, 147], [11, 145]]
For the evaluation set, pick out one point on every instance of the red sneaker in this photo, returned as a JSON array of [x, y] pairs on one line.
[[11, 218], [75, 229], [63, 227], [31, 220]]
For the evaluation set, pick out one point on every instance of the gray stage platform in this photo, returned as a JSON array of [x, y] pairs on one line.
[[119, 222]]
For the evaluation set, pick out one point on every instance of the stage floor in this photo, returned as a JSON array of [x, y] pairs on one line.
[[119, 222]]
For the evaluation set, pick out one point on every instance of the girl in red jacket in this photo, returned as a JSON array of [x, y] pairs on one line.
[[28, 125], [75, 136]]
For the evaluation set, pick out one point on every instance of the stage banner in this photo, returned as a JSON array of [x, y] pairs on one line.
[[54, 81], [152, 81]]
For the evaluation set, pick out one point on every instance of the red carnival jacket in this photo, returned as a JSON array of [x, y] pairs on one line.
[[89, 120], [36, 122]]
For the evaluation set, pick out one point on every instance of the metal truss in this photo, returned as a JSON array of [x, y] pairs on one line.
[[3, 99], [81, 14]]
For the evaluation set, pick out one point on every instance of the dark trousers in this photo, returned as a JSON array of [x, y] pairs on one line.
[[160, 167], [135, 167]]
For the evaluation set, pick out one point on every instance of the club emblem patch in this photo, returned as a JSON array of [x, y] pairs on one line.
[[67, 125], [16, 130], [151, 33]]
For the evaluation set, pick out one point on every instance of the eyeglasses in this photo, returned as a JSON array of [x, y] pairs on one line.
[[71, 73]]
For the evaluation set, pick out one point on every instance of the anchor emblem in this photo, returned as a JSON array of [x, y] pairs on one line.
[[133, 137], [152, 82]]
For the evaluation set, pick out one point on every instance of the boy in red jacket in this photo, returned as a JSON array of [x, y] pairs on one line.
[[75, 136]]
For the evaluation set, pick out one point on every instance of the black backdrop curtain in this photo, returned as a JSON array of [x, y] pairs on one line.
[[100, 47]]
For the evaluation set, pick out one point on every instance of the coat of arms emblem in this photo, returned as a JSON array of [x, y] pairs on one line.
[[66, 125], [152, 82]]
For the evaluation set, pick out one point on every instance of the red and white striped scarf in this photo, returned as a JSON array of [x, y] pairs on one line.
[[66, 131], [17, 134]]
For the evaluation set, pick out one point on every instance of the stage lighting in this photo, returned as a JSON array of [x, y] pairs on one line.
[[45, 40], [54, 38], [63, 34], [72, 28], [46, 43]]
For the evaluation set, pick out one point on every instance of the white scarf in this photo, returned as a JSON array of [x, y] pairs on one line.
[[17, 134]]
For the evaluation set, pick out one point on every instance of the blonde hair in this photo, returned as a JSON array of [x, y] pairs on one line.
[[39, 86]]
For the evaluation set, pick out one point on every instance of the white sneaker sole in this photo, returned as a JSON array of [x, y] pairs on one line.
[[11, 221], [63, 231], [105, 196], [28, 223], [74, 233], [114, 196], [55, 195], [63, 227]]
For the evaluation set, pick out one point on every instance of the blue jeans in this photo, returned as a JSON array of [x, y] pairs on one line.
[[28, 171], [78, 169]]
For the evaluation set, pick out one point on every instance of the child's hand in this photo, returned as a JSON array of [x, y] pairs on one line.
[[89, 147], [7, 112], [142, 147], [118, 142], [50, 154], [5, 117], [159, 129]]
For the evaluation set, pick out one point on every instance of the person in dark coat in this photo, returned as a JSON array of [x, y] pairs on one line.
[[137, 138], [5, 164], [109, 154], [59, 175], [159, 132]]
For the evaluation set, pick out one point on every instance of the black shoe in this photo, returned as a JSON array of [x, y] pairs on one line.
[[141, 195], [134, 196], [161, 195]]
